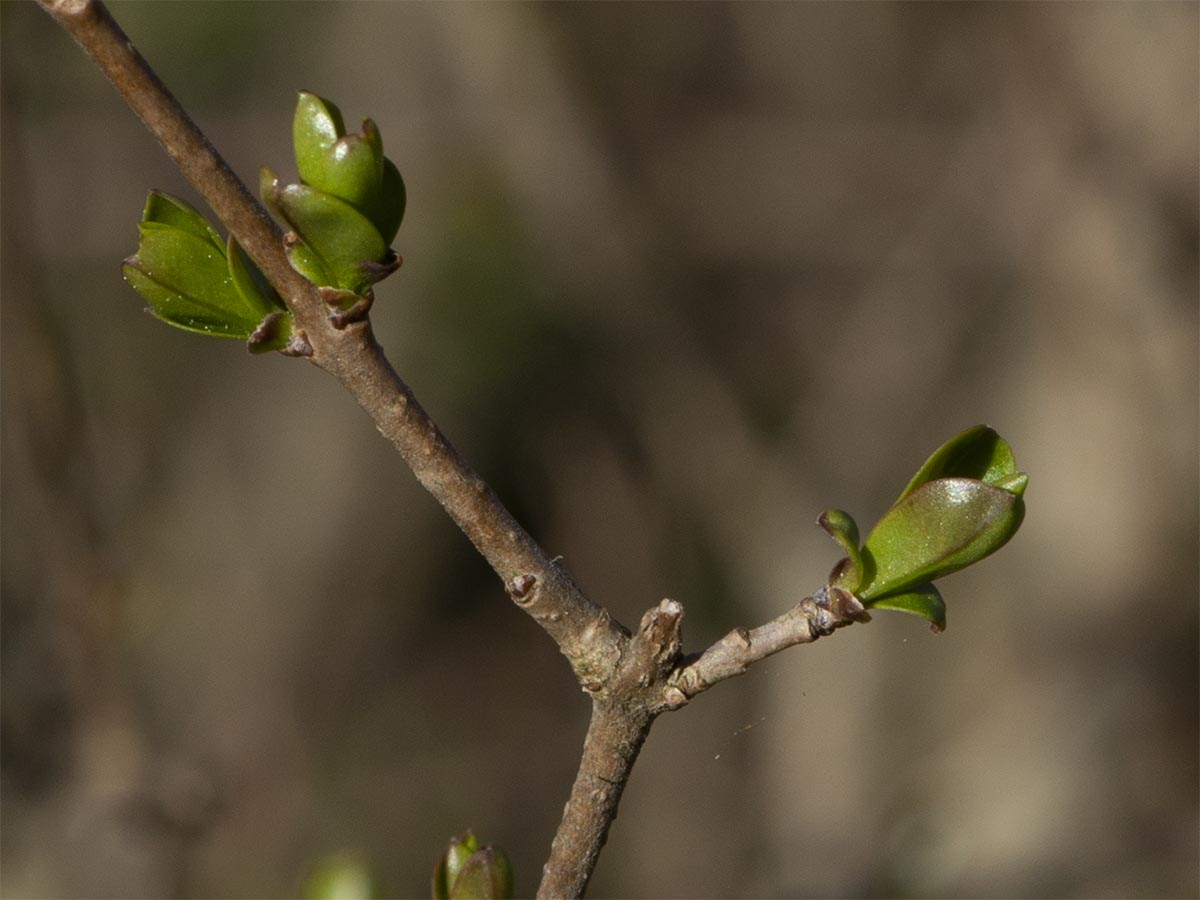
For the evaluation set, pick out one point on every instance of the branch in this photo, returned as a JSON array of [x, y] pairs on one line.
[[632, 679], [622, 713], [610, 749], [584, 632], [825, 611]]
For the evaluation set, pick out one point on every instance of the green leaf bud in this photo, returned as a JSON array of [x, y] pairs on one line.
[[467, 872], [193, 280], [342, 248], [305, 261], [450, 863], [351, 167], [486, 875]]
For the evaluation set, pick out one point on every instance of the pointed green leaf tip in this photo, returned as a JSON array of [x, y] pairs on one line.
[[963, 504], [467, 872], [193, 280]]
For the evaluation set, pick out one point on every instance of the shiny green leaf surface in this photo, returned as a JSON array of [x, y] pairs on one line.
[[186, 282], [342, 242], [193, 280], [164, 209], [254, 289], [180, 310], [308, 264], [937, 529], [351, 169], [316, 124], [387, 212], [979, 452]]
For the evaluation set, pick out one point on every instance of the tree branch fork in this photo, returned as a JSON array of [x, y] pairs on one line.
[[632, 677]]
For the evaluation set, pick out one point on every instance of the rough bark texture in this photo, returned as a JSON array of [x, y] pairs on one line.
[[614, 739]]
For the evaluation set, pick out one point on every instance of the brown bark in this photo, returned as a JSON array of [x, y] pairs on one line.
[[632, 679]]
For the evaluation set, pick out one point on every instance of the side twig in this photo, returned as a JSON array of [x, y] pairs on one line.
[[826, 610]]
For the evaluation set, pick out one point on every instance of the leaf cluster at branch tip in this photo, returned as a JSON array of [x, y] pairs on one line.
[[963, 504]]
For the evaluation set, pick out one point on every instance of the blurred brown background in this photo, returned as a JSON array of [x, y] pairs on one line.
[[677, 278]]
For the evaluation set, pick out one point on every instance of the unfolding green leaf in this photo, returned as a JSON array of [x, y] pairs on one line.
[[178, 310], [307, 263], [387, 212], [193, 280], [979, 452], [164, 209], [924, 601], [351, 167], [254, 289], [343, 242], [186, 281], [964, 503], [841, 526], [937, 529]]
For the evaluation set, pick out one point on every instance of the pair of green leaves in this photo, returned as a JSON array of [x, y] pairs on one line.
[[467, 871], [965, 503], [192, 279], [343, 216]]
